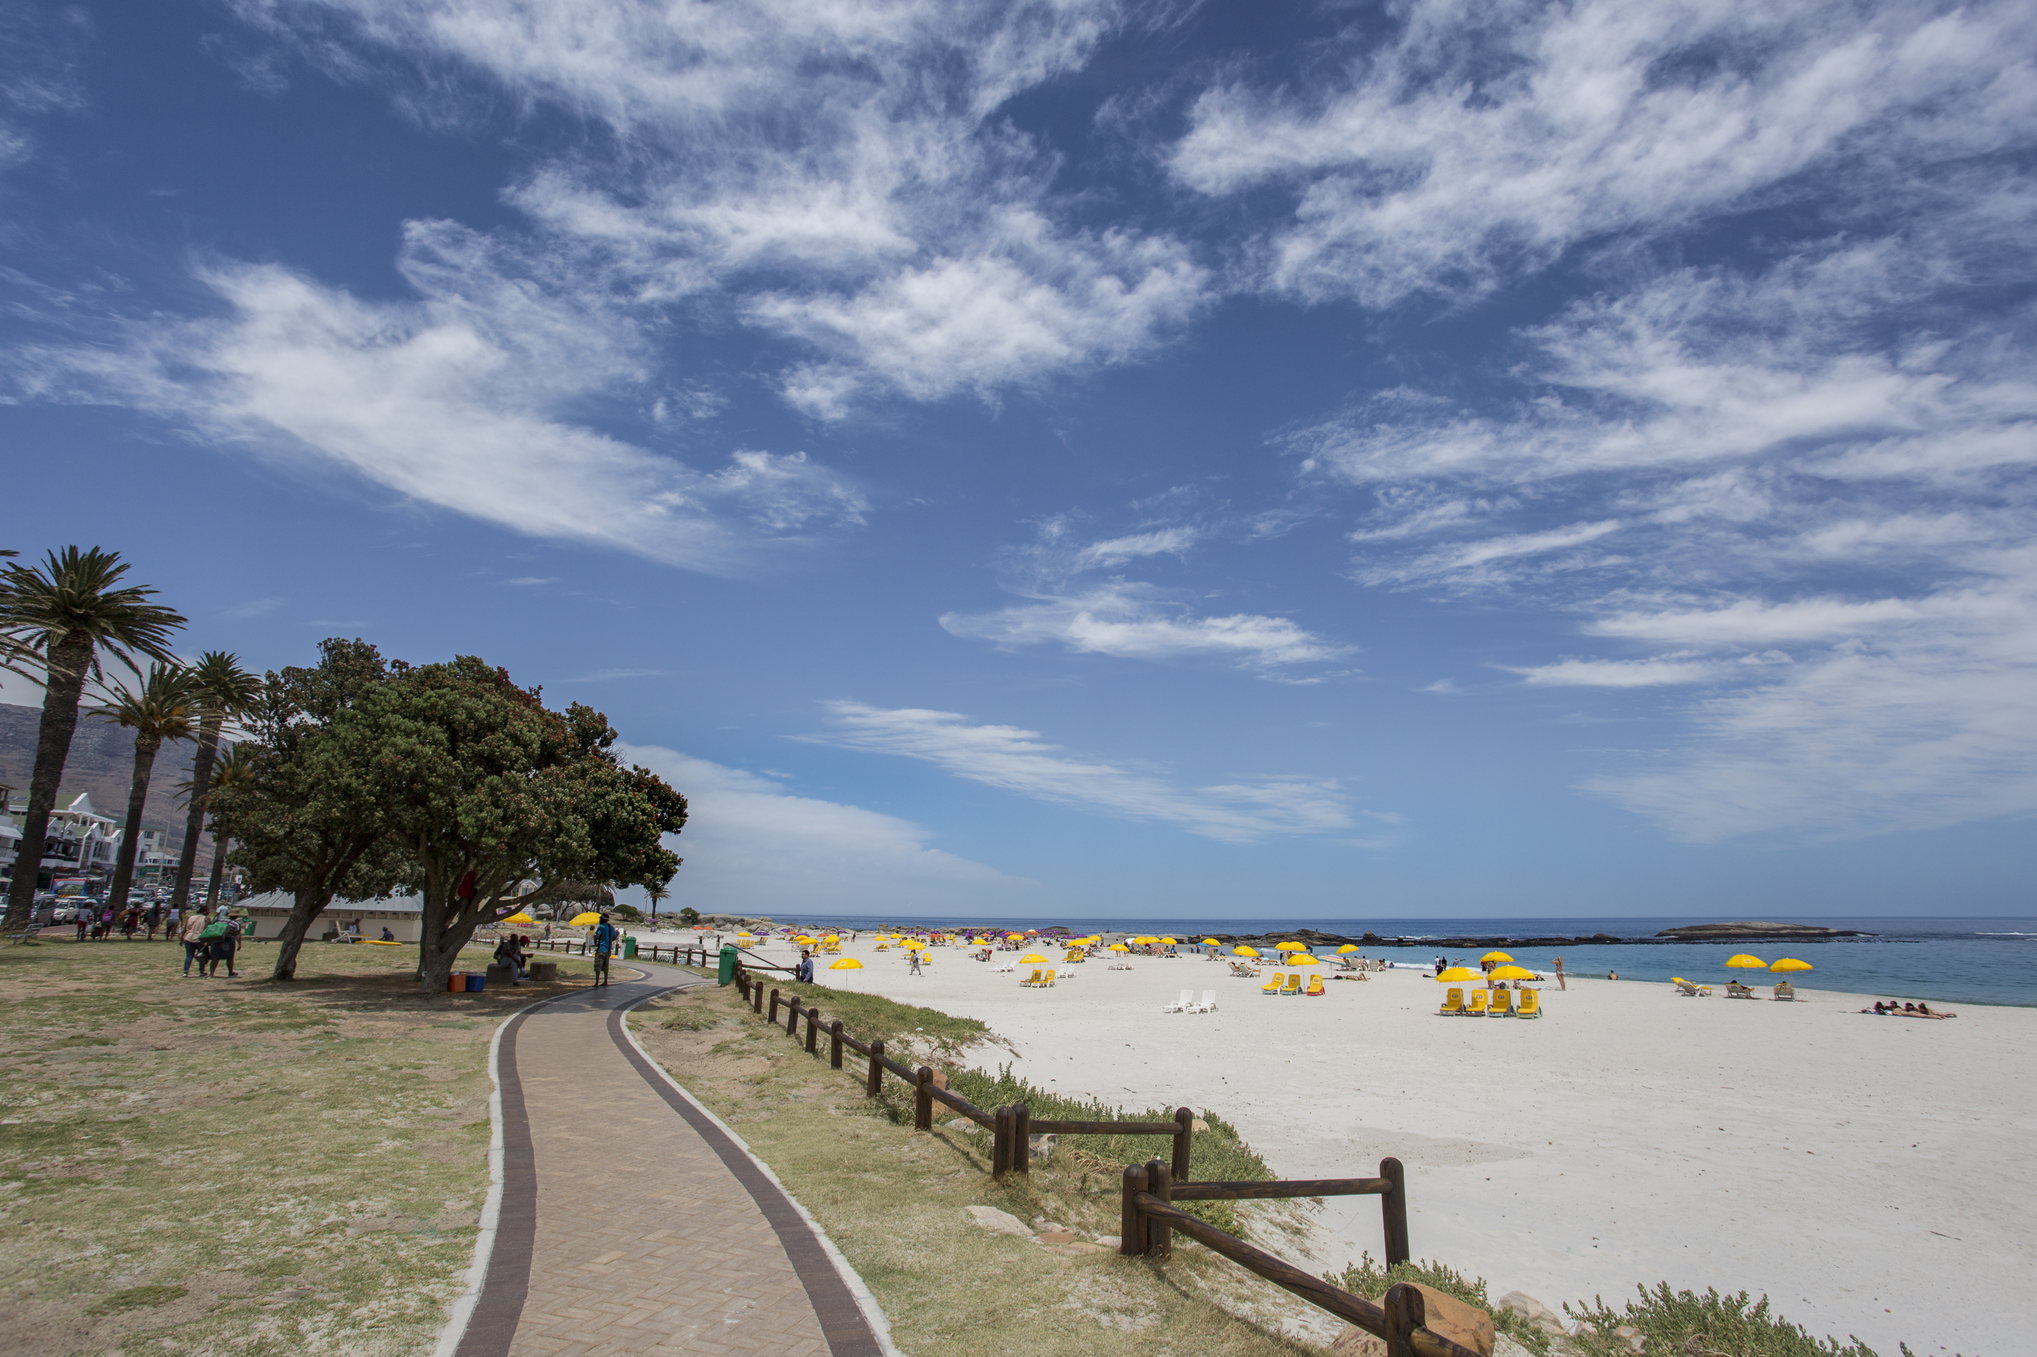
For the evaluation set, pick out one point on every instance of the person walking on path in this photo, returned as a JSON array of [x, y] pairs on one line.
[[915, 962], [604, 943]]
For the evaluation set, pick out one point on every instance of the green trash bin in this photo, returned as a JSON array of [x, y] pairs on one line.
[[629, 949], [727, 975]]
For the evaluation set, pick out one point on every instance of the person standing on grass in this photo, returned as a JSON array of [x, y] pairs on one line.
[[604, 943], [194, 925], [83, 920]]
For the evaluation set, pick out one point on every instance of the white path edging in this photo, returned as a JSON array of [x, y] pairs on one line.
[[873, 1313], [462, 1311]]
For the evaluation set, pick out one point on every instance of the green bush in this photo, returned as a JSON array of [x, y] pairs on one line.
[[1712, 1324], [1366, 1278]]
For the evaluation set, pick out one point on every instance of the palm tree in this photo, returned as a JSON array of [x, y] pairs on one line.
[[656, 894], [161, 710], [64, 613], [225, 690], [234, 768]]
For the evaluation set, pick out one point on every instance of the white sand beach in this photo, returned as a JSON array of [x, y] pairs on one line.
[[1871, 1175]]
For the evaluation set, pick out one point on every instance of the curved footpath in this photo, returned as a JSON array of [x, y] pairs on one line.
[[684, 1244]]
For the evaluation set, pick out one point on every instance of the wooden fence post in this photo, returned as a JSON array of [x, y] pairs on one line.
[[1000, 1142], [792, 1018], [812, 1031], [1185, 1119], [1159, 1234], [773, 1019], [1131, 1224], [1393, 1211], [875, 1084], [1022, 1138], [922, 1101], [1405, 1313], [835, 1044], [757, 995]]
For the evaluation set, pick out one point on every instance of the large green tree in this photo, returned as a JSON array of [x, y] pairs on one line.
[[487, 790], [225, 692], [304, 815], [160, 709], [67, 613]]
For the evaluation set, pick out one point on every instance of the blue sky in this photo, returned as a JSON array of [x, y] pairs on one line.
[[1338, 461]]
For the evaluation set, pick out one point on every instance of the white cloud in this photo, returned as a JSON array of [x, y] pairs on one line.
[[751, 844], [465, 400], [1479, 141], [839, 173], [1020, 761], [1652, 673], [1133, 621]]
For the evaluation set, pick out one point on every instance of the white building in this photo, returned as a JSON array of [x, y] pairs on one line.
[[80, 843], [402, 915]]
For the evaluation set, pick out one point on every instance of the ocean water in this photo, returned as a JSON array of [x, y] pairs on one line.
[[1950, 960]]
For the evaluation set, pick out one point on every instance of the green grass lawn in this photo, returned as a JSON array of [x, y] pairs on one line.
[[216, 1166]]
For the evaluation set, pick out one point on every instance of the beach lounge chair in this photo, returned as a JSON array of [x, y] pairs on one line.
[[1209, 1002], [1502, 1004], [1785, 992], [1048, 983], [1453, 1003], [1531, 1003], [1032, 979], [1315, 987], [1293, 984], [1693, 990], [1479, 999], [1181, 1005], [1736, 990], [1243, 972], [1272, 985]]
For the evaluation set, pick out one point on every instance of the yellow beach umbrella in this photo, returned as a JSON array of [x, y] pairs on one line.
[[585, 920], [1013, 937], [847, 963], [1290, 947], [1512, 973], [1347, 948], [1119, 947], [1744, 962], [519, 918], [1457, 975], [1167, 942], [1302, 960], [832, 937], [1790, 963], [1495, 956], [1211, 942], [1030, 957], [1245, 951]]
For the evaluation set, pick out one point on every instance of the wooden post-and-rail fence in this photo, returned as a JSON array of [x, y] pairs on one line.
[[1149, 1216], [690, 954], [1011, 1128]]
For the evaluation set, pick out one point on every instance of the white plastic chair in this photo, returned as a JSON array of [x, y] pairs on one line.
[[1209, 1002], [1183, 1004]]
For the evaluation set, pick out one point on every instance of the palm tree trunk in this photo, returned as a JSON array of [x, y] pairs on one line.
[[145, 747], [65, 678], [194, 824], [218, 871]]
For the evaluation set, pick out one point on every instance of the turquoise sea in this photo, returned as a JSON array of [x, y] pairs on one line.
[[1975, 961]]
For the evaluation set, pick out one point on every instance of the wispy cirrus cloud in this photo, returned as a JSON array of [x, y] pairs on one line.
[[1477, 144], [753, 843], [839, 176], [461, 400], [1066, 605], [1021, 761]]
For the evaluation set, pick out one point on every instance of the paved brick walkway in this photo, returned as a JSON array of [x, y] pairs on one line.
[[676, 1245]]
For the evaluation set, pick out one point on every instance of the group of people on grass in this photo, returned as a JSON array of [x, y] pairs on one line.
[[208, 941]]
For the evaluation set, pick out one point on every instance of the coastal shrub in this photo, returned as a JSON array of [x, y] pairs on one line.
[[872, 1017], [1368, 1279], [1720, 1326]]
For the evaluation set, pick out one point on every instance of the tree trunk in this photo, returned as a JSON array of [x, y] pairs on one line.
[[218, 870], [68, 661], [145, 747], [303, 909], [194, 823]]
